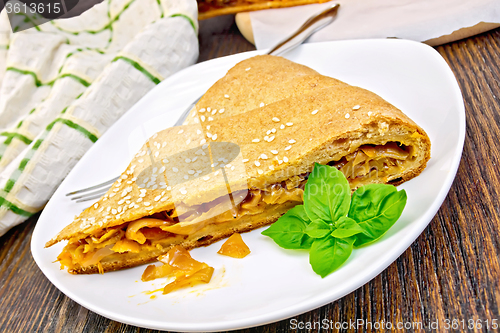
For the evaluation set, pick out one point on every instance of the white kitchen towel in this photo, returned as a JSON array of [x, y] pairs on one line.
[[64, 83], [421, 20]]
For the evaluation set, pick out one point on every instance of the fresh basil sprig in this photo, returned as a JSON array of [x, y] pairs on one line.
[[330, 223]]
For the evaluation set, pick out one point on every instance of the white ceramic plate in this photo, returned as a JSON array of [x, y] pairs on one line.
[[271, 283]]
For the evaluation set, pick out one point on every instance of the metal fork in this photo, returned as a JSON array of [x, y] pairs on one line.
[[313, 24]]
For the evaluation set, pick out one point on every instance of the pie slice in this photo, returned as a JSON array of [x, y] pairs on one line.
[[240, 169]]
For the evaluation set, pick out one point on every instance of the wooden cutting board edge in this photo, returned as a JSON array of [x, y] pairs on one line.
[[245, 26]]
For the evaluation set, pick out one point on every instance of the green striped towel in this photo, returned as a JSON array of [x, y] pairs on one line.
[[64, 83]]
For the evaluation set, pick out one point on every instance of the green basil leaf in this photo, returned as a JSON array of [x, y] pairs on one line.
[[289, 230], [318, 229], [327, 194], [376, 207], [346, 227], [327, 254]]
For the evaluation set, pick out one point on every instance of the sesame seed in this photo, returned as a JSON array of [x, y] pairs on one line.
[[187, 160], [244, 160], [282, 126], [162, 169], [347, 115], [232, 168], [314, 112], [157, 197], [209, 109], [120, 209], [266, 138], [206, 178], [202, 118], [288, 147], [183, 190], [169, 188], [292, 141], [257, 163], [276, 119], [370, 113], [268, 132], [214, 111], [198, 132], [248, 68], [157, 153], [210, 118], [256, 140], [203, 141], [356, 107], [214, 137], [186, 177], [205, 146], [139, 200], [96, 205], [273, 130], [140, 160], [271, 138], [209, 135], [285, 159], [226, 96], [147, 203], [116, 189], [165, 160], [201, 110], [260, 172], [263, 156], [142, 195], [174, 169], [181, 131], [114, 211], [221, 111], [271, 167], [275, 152], [191, 172], [208, 127], [261, 104], [289, 124]]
